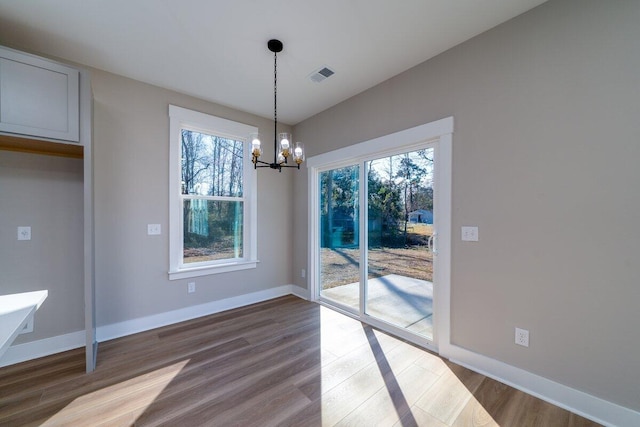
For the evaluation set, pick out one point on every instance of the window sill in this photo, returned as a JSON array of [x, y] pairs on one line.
[[186, 273]]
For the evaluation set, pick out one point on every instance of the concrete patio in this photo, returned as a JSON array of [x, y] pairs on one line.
[[402, 301]]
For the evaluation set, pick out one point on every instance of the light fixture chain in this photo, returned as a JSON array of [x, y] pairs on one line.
[[275, 88]]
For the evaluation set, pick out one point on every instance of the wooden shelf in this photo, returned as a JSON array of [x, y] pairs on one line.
[[37, 146]]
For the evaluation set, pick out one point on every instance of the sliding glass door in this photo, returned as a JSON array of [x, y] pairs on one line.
[[399, 282], [379, 222], [397, 236]]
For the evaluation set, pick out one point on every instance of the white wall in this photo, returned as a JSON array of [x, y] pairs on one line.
[[545, 162]]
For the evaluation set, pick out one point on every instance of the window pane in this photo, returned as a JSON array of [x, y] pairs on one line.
[[399, 286], [212, 230], [339, 235], [211, 165]]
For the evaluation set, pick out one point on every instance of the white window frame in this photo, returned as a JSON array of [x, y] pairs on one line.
[[182, 118]]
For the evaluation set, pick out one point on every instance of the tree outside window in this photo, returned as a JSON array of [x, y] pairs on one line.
[[212, 197]]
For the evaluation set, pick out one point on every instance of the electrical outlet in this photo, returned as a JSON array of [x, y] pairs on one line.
[[154, 229], [522, 337], [24, 233], [191, 287], [469, 234]]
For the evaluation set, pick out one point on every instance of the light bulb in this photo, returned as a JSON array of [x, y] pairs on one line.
[[255, 145], [284, 143], [298, 153]]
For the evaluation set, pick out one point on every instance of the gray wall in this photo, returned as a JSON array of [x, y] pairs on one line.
[[545, 162], [131, 175], [45, 193], [131, 158]]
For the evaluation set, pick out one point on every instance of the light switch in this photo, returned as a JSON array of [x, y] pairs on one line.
[[24, 233], [154, 229], [469, 234]]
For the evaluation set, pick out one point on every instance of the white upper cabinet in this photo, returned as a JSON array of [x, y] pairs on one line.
[[38, 97]]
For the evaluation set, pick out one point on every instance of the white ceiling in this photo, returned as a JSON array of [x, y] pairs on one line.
[[216, 49]]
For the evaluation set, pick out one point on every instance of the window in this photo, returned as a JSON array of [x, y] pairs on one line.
[[212, 195]]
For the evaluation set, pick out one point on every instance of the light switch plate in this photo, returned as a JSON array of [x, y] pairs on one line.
[[24, 233], [154, 229], [469, 234]]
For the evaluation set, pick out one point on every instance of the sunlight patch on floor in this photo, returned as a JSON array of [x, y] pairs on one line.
[[133, 396], [404, 386]]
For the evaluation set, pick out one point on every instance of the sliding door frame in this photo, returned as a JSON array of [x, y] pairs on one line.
[[436, 134]]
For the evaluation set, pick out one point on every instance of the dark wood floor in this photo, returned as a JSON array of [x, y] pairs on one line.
[[284, 362]]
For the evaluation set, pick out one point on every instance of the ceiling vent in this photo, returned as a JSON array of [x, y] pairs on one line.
[[321, 74]]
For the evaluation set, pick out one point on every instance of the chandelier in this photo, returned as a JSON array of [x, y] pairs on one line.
[[283, 147]]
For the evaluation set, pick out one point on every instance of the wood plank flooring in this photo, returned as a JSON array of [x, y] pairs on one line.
[[284, 362]]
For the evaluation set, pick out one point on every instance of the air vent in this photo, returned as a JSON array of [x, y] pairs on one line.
[[321, 74]]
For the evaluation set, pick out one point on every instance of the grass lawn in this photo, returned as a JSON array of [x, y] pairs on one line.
[[340, 266]]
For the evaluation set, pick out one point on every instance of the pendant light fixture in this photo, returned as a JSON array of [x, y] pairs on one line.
[[283, 147]]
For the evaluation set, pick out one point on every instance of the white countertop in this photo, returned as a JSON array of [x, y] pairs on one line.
[[15, 312]]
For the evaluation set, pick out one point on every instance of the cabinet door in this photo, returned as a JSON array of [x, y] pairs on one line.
[[38, 97]]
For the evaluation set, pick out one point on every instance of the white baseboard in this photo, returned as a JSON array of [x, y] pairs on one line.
[[46, 347], [581, 403], [300, 292], [32, 350], [128, 327]]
